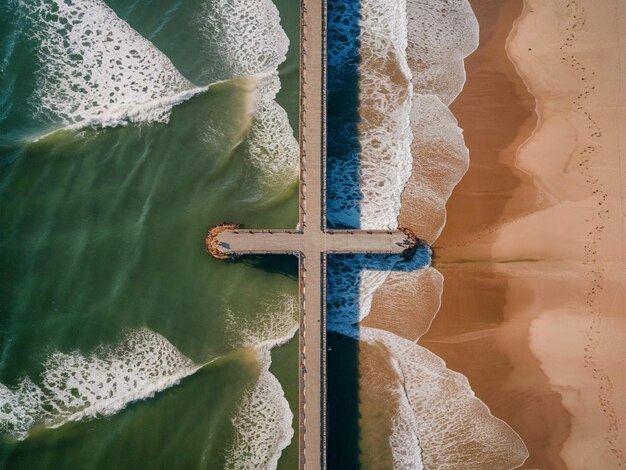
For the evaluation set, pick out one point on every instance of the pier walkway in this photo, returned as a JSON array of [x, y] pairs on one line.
[[268, 242], [311, 242]]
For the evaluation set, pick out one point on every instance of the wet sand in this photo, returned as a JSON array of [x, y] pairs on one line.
[[532, 253]]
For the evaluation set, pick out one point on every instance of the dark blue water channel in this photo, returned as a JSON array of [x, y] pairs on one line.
[[343, 146]]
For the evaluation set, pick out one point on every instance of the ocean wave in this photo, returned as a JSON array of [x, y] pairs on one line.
[[385, 94], [409, 56], [441, 414], [409, 150], [274, 323], [407, 302], [404, 440], [440, 36], [263, 421], [73, 387], [441, 159], [412, 154], [251, 42], [411, 68], [272, 147], [447, 411], [95, 69], [124, 114]]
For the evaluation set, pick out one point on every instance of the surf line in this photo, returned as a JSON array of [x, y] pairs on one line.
[[46, 404], [104, 117]]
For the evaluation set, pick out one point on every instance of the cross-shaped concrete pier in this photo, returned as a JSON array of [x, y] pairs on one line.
[[311, 242]]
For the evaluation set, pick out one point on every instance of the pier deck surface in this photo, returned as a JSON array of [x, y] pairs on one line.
[[312, 241]]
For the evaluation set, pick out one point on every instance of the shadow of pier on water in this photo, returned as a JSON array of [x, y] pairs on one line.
[[351, 283], [343, 147]]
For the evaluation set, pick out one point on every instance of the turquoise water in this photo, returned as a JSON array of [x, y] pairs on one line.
[[123, 344]]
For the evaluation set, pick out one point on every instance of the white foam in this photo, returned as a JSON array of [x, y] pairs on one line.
[[96, 70], [440, 36], [252, 42], [74, 387], [385, 97], [404, 440], [263, 421], [274, 323], [408, 48], [249, 34], [273, 149]]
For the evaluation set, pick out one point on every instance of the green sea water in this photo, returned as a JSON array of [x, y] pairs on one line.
[[101, 247]]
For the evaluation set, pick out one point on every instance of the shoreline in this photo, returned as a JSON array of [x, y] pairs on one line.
[[474, 331], [531, 306], [532, 248], [406, 303], [438, 159]]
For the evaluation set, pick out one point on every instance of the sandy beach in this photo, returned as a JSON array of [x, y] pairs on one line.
[[529, 272], [532, 254], [496, 112]]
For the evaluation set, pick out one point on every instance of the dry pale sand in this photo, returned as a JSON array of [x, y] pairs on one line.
[[533, 251]]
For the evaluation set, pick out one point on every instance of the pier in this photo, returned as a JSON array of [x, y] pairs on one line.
[[311, 241]]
